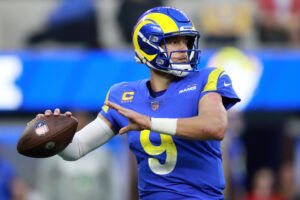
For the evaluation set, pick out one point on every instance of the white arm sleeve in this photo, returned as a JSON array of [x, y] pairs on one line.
[[87, 139]]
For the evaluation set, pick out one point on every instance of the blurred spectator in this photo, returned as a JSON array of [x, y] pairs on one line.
[[263, 186], [7, 176], [287, 187], [20, 191], [294, 25], [73, 22], [225, 22], [129, 11], [88, 178], [12, 187], [234, 157], [278, 21], [290, 171]]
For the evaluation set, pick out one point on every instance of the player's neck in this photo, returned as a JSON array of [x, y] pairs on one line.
[[160, 81]]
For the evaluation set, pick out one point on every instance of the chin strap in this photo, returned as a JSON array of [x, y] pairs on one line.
[[179, 73]]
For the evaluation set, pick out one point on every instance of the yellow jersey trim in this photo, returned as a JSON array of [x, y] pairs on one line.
[[212, 80], [105, 107]]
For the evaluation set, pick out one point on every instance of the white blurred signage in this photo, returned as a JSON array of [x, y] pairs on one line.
[[244, 70], [10, 95]]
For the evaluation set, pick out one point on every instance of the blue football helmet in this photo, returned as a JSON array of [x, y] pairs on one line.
[[151, 32]]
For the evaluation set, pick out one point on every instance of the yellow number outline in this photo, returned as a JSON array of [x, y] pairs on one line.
[[167, 145]]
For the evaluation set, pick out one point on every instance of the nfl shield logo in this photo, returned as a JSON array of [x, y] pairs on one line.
[[41, 128], [154, 105]]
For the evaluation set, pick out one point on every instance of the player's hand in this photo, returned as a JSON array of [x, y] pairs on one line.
[[56, 112], [137, 121]]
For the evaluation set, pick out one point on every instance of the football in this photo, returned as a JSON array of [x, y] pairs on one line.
[[46, 136]]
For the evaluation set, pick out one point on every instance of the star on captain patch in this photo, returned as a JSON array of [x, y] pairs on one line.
[[154, 105]]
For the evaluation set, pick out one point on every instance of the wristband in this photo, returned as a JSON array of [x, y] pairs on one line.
[[164, 125]]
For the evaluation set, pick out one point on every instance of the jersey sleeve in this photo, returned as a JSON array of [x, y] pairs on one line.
[[108, 113], [219, 81]]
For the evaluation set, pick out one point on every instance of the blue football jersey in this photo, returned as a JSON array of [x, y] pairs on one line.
[[170, 167]]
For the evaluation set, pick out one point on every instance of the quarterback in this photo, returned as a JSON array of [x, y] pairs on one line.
[[174, 121]]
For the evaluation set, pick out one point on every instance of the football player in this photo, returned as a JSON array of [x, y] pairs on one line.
[[174, 121]]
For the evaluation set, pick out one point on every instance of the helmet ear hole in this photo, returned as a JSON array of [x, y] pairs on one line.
[[154, 39], [160, 61]]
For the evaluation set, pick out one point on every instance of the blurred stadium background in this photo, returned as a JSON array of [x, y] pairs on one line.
[[67, 53]]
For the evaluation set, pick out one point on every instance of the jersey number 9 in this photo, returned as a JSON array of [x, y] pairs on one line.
[[167, 145]]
